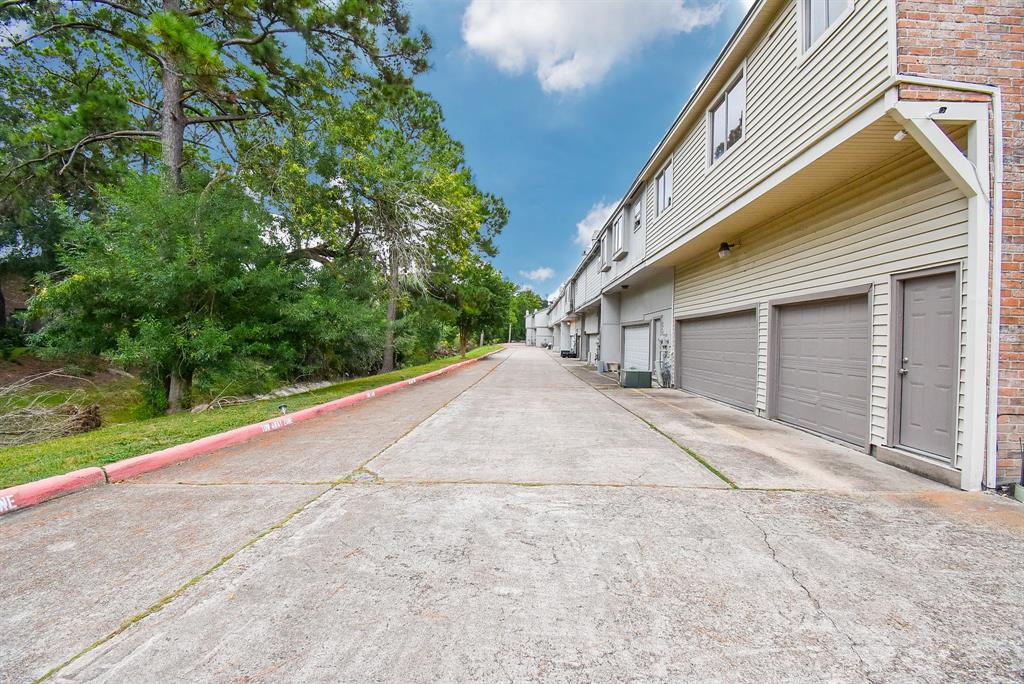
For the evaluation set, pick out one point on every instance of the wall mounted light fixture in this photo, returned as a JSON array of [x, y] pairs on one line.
[[724, 250]]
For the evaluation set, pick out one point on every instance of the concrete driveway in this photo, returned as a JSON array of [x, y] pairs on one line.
[[520, 520]]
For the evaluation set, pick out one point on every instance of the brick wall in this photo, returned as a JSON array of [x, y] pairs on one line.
[[982, 41]]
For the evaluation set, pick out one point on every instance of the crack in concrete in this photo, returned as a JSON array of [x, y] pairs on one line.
[[863, 665]]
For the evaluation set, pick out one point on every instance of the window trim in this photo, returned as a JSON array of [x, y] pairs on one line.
[[620, 244], [658, 210], [617, 236], [606, 262], [639, 201], [804, 52], [710, 162]]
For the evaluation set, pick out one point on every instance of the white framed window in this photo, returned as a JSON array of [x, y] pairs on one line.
[[819, 16], [637, 211], [663, 189], [725, 118], [605, 252], [619, 233]]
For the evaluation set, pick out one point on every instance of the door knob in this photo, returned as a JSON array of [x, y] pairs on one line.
[[902, 371]]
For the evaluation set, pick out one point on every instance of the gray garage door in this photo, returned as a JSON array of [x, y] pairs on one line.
[[823, 367], [636, 348], [717, 357]]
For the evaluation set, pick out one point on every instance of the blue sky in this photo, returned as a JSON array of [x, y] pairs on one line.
[[560, 102]]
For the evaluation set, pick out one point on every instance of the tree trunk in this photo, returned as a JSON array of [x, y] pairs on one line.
[[463, 342], [172, 123], [179, 391], [393, 291]]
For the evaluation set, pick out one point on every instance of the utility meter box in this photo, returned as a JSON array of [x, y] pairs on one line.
[[635, 378]]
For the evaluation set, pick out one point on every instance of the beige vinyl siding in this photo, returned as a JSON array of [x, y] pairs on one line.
[[903, 217], [790, 102]]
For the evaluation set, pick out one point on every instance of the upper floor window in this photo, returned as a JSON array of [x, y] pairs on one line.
[[727, 117], [636, 211], [819, 15], [617, 234], [663, 188]]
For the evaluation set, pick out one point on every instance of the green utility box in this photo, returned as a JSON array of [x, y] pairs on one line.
[[634, 378]]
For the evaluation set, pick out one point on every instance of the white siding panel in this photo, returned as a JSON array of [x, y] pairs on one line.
[[904, 217]]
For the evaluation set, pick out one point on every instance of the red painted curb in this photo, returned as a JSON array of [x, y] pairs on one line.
[[31, 493]]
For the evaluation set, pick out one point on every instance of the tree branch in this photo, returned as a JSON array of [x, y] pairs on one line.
[[221, 119], [256, 40], [88, 26], [323, 255], [87, 140], [117, 6]]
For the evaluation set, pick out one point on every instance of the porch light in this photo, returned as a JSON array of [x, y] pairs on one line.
[[900, 135], [724, 250]]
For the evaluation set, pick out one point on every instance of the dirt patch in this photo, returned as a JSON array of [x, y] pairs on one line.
[[28, 366]]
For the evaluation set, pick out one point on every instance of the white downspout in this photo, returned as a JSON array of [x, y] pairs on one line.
[[997, 251]]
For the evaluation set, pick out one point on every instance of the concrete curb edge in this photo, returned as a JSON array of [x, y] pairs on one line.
[[32, 493]]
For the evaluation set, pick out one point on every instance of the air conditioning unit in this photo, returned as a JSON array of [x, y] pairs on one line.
[[635, 378]]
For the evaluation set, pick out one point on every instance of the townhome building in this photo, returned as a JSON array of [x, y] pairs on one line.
[[830, 235], [538, 332]]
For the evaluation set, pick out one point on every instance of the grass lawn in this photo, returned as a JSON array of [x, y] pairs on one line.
[[108, 444]]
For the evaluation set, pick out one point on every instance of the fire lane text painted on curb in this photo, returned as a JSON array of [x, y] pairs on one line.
[[277, 424], [7, 504]]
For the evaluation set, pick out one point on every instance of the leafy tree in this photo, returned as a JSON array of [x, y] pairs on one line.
[[335, 322], [379, 177], [175, 284], [523, 301], [29, 227], [481, 298], [168, 70], [425, 330]]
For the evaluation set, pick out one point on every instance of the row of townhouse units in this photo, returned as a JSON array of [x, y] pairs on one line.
[[830, 235]]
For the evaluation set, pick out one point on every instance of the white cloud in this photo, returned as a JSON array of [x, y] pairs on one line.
[[571, 44], [538, 275], [592, 222]]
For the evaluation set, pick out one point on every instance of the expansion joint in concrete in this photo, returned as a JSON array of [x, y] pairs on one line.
[[440, 408], [169, 598]]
